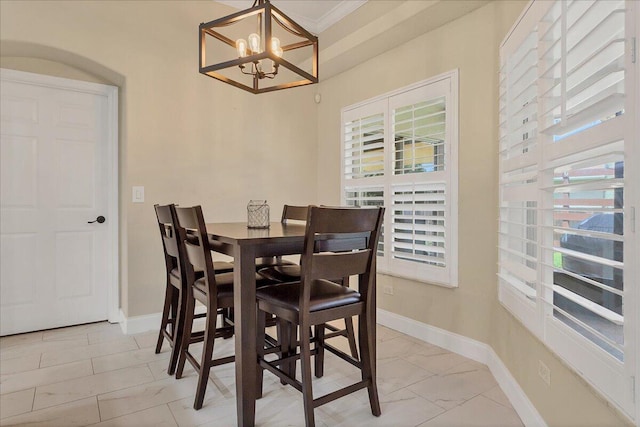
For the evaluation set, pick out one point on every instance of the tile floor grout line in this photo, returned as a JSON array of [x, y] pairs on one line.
[[134, 412], [68, 402], [98, 406], [86, 376], [33, 401], [97, 396], [171, 412], [494, 400]]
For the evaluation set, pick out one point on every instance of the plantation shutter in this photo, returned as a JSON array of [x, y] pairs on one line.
[[367, 196], [419, 137], [399, 151], [418, 217], [364, 161], [518, 242], [364, 146], [584, 167], [566, 162]]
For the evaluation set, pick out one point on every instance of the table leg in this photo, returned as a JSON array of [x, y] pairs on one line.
[[244, 288]]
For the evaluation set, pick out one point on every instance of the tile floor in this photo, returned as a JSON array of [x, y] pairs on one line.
[[94, 375]]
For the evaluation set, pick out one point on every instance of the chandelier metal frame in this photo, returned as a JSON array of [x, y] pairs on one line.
[[267, 16]]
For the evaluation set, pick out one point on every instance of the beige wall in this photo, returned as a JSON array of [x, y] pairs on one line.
[[187, 138], [471, 45]]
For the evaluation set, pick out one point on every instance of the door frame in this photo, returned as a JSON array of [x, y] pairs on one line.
[[111, 95]]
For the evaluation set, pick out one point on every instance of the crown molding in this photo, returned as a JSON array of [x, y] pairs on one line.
[[343, 9], [314, 25]]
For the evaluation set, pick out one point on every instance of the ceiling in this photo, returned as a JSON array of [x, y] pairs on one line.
[[315, 16]]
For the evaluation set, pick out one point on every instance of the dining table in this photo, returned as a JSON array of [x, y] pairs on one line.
[[245, 245]]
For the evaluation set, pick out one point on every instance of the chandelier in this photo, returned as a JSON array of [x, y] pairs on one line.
[[259, 50]]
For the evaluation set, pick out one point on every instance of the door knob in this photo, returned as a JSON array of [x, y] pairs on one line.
[[99, 220]]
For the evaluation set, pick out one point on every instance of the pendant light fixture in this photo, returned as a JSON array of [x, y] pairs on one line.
[[259, 50]]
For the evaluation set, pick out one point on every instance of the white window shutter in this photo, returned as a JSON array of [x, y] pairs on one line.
[[564, 148], [419, 223], [398, 150], [519, 145]]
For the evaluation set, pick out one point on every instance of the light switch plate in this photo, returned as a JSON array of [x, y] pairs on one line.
[[138, 194]]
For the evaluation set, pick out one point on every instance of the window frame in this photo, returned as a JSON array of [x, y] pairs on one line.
[[444, 85]]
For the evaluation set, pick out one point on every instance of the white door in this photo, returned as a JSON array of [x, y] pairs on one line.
[[56, 267]]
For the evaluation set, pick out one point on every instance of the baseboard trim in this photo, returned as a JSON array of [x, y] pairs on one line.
[[138, 324], [148, 322], [472, 349]]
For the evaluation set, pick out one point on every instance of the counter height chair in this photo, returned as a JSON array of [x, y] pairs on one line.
[[171, 325], [289, 213], [316, 300], [291, 273], [214, 291]]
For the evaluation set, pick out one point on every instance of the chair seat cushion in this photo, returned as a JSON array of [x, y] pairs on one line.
[[222, 266], [271, 262], [176, 280], [224, 283], [218, 266], [282, 273], [324, 295]]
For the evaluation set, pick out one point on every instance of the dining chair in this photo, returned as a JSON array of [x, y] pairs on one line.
[[171, 325], [291, 273], [316, 299], [214, 291], [289, 213]]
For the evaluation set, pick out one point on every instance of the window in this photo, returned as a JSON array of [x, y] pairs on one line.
[[400, 151], [566, 227]]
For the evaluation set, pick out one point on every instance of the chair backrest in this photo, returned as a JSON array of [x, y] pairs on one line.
[[295, 213], [333, 247], [166, 215], [193, 233]]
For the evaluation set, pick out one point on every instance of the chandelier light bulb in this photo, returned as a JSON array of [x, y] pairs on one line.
[[254, 42], [275, 47], [241, 46], [275, 44]]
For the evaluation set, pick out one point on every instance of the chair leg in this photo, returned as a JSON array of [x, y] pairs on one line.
[[284, 341], [165, 316], [178, 329], [351, 336], [319, 357], [368, 361], [348, 323], [227, 320], [207, 355], [186, 336], [305, 361], [175, 296], [260, 337]]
